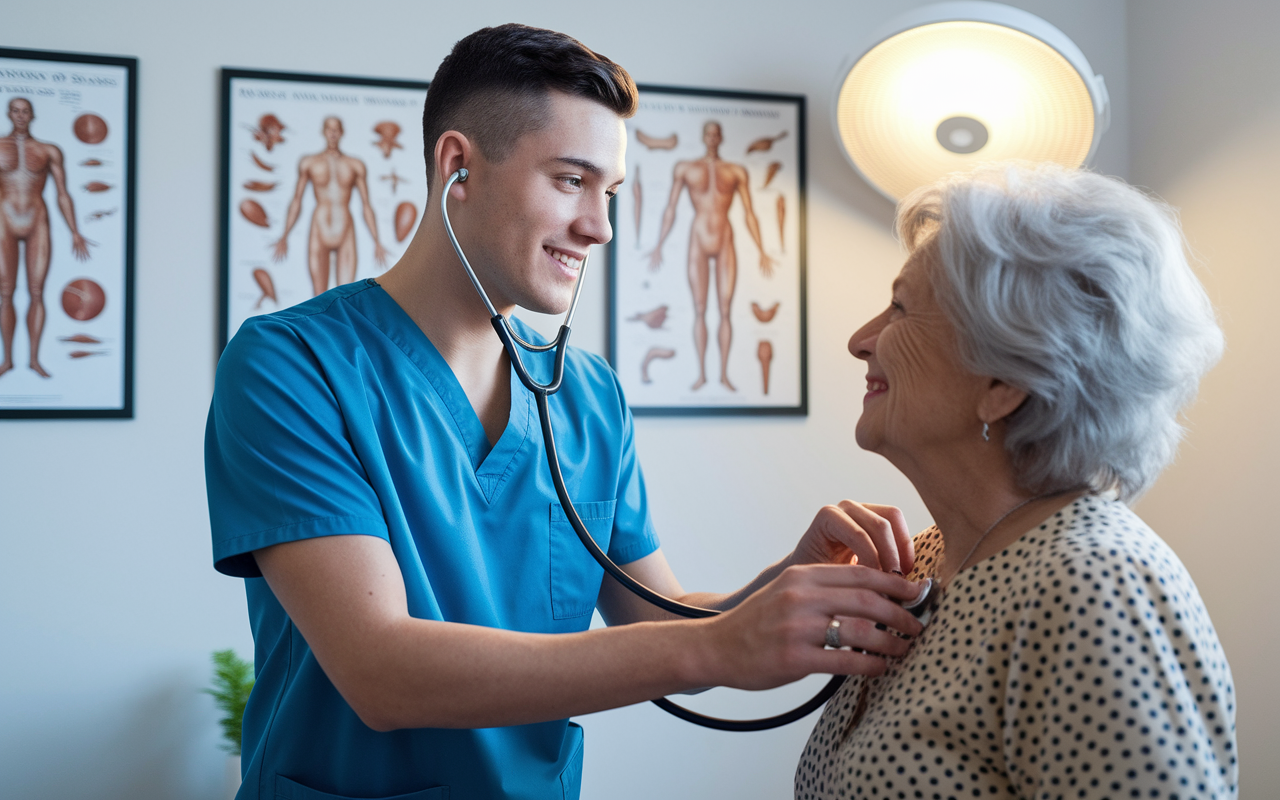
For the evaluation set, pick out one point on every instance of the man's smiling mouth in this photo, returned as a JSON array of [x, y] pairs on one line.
[[568, 260]]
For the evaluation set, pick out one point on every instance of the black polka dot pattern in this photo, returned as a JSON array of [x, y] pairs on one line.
[[1078, 663]]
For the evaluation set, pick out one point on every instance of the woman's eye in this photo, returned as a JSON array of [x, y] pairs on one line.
[[573, 181]]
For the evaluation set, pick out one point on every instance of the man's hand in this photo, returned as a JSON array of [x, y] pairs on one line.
[[655, 258], [281, 249], [777, 635], [872, 535]]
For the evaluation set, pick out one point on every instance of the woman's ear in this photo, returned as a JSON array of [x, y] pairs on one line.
[[999, 401], [453, 152]]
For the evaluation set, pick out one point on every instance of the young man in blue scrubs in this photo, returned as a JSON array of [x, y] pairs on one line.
[[420, 606]]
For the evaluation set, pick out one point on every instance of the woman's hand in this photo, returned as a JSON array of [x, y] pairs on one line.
[[872, 535]]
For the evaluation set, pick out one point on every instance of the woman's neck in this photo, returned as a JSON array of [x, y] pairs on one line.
[[976, 502]]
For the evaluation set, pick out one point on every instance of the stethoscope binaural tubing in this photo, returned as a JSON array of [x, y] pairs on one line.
[[512, 342]]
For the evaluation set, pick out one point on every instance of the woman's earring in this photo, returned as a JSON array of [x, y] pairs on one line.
[[985, 436]]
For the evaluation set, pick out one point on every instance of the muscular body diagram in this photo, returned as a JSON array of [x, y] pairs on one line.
[[712, 183], [25, 165], [332, 238]]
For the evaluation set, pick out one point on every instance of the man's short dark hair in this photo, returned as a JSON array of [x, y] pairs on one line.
[[495, 84]]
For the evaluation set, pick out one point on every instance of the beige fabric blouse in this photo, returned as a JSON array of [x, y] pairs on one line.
[[1078, 663]]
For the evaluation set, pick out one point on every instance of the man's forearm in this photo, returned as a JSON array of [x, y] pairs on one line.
[[345, 595], [446, 675]]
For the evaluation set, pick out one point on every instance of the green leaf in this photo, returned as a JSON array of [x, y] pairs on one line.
[[232, 681]]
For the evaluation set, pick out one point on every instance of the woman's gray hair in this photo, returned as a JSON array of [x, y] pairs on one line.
[[1075, 288]]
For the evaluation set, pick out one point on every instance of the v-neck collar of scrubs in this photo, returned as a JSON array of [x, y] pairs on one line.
[[493, 464]]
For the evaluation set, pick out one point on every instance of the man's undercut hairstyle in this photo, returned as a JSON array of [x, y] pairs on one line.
[[495, 86]]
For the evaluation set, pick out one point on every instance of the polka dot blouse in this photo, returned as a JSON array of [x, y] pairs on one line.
[[1078, 663]]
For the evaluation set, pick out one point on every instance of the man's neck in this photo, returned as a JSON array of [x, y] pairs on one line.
[[432, 287]]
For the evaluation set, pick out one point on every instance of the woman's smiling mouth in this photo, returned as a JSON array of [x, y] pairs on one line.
[[875, 388]]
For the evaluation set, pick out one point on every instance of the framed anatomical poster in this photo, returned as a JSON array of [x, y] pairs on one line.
[[323, 182], [67, 155], [707, 262]]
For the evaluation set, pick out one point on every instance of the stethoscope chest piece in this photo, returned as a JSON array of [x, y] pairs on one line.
[[923, 606]]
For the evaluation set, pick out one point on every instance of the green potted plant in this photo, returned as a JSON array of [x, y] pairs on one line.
[[232, 682]]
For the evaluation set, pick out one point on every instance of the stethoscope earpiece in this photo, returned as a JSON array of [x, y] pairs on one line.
[[462, 174]]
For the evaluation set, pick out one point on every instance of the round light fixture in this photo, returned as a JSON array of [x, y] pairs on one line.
[[950, 85]]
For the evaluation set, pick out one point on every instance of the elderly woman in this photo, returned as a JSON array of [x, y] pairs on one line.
[[1027, 377]]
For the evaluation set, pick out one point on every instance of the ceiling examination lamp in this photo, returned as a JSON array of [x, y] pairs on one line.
[[951, 85]]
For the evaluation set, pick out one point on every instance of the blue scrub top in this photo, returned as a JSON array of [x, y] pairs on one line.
[[338, 416]]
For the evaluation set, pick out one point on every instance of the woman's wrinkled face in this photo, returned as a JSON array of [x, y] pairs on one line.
[[919, 395]]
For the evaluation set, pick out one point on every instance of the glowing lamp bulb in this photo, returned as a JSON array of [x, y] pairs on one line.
[[956, 84]]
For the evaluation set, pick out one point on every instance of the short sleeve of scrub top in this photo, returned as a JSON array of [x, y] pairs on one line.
[[339, 417]]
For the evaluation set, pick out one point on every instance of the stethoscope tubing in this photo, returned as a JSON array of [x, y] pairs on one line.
[[512, 342], [663, 602]]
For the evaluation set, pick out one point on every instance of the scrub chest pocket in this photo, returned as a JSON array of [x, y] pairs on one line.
[[575, 575]]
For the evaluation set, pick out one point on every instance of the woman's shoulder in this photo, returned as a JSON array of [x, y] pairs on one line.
[[1097, 530], [1106, 614], [1097, 546], [1100, 568]]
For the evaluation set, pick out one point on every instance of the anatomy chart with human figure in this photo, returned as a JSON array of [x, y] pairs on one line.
[[66, 202], [331, 241], [320, 179], [712, 185], [713, 237]]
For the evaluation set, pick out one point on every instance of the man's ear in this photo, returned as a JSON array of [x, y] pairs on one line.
[[999, 401], [454, 151]]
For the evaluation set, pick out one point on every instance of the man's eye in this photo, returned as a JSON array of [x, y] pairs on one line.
[[573, 181]]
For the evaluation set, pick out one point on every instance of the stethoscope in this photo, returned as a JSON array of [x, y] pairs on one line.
[[510, 340]]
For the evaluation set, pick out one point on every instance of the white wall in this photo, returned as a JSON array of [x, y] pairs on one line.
[[109, 606], [1205, 82]]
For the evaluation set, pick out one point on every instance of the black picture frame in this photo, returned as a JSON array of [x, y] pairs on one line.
[[300, 102], [85, 106], [649, 312]]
